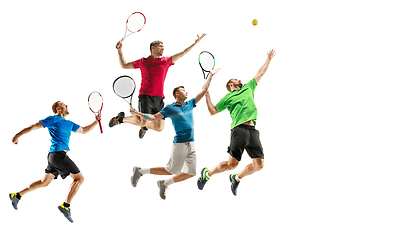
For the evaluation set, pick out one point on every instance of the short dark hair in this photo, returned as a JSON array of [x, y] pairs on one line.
[[154, 44], [176, 90], [54, 107]]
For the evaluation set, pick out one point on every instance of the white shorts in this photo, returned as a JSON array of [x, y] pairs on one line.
[[183, 159]]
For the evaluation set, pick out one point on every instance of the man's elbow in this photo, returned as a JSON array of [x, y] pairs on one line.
[[212, 112], [81, 130], [127, 65]]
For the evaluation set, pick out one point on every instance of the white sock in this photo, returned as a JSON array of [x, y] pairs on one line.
[[169, 181], [237, 178], [144, 171], [207, 175]]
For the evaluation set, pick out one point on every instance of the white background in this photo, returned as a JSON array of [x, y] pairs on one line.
[[335, 118]]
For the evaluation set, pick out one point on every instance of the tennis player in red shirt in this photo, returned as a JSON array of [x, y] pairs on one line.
[[153, 70]]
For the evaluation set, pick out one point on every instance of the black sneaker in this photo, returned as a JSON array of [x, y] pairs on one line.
[[234, 184], [142, 132], [116, 120], [203, 179]]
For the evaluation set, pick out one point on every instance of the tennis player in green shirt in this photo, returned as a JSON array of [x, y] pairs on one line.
[[244, 136]]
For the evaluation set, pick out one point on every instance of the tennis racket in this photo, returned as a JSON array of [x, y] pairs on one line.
[[207, 63], [136, 21], [95, 101], [124, 87]]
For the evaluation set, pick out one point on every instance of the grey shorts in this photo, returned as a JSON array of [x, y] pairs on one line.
[[183, 159]]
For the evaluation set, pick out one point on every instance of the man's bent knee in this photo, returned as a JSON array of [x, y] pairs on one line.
[[78, 177], [47, 180], [159, 125], [232, 163], [258, 164]]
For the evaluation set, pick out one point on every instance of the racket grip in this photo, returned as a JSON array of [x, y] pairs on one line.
[[117, 46], [100, 126]]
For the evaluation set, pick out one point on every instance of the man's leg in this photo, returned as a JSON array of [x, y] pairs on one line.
[[159, 171], [15, 197], [256, 165], [231, 164], [78, 180], [164, 184], [47, 179], [157, 125], [138, 172], [182, 177], [135, 120]]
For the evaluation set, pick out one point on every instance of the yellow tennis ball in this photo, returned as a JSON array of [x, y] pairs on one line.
[[255, 22]]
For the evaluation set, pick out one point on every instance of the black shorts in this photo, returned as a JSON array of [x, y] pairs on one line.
[[60, 164], [244, 137], [150, 104]]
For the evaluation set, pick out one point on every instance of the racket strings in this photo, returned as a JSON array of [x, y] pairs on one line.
[[124, 87], [95, 102], [135, 22], [207, 61]]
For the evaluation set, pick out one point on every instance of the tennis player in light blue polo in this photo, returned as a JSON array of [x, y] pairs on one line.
[[182, 162]]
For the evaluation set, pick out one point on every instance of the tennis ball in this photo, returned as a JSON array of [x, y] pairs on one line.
[[255, 22]]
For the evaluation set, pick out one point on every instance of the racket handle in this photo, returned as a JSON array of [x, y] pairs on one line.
[[100, 126], [117, 45]]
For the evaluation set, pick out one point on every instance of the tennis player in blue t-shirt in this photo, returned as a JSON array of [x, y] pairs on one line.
[[59, 163], [182, 162]]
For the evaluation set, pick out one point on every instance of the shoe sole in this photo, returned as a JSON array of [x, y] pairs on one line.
[[160, 182], [64, 214], [12, 203], [232, 185], [131, 179], [198, 182]]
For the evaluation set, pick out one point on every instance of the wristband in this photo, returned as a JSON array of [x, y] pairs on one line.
[[145, 117]]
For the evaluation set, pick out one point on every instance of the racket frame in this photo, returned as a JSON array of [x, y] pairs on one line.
[[203, 70], [131, 95], [127, 29], [99, 112]]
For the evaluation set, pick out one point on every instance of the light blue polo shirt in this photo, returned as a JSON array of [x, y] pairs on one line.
[[182, 120], [59, 130]]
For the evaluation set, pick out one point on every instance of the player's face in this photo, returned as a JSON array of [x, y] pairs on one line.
[[182, 94], [237, 83], [64, 109], [157, 50]]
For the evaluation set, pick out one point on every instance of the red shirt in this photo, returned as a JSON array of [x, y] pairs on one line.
[[153, 74]]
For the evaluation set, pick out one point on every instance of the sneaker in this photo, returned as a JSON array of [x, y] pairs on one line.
[[14, 200], [66, 212], [136, 175], [162, 189], [203, 179], [142, 132], [234, 184], [116, 120]]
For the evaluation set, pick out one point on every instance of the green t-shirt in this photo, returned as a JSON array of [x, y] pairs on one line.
[[240, 104]]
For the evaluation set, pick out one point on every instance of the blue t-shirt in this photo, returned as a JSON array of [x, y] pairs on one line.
[[182, 120], [59, 130]]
